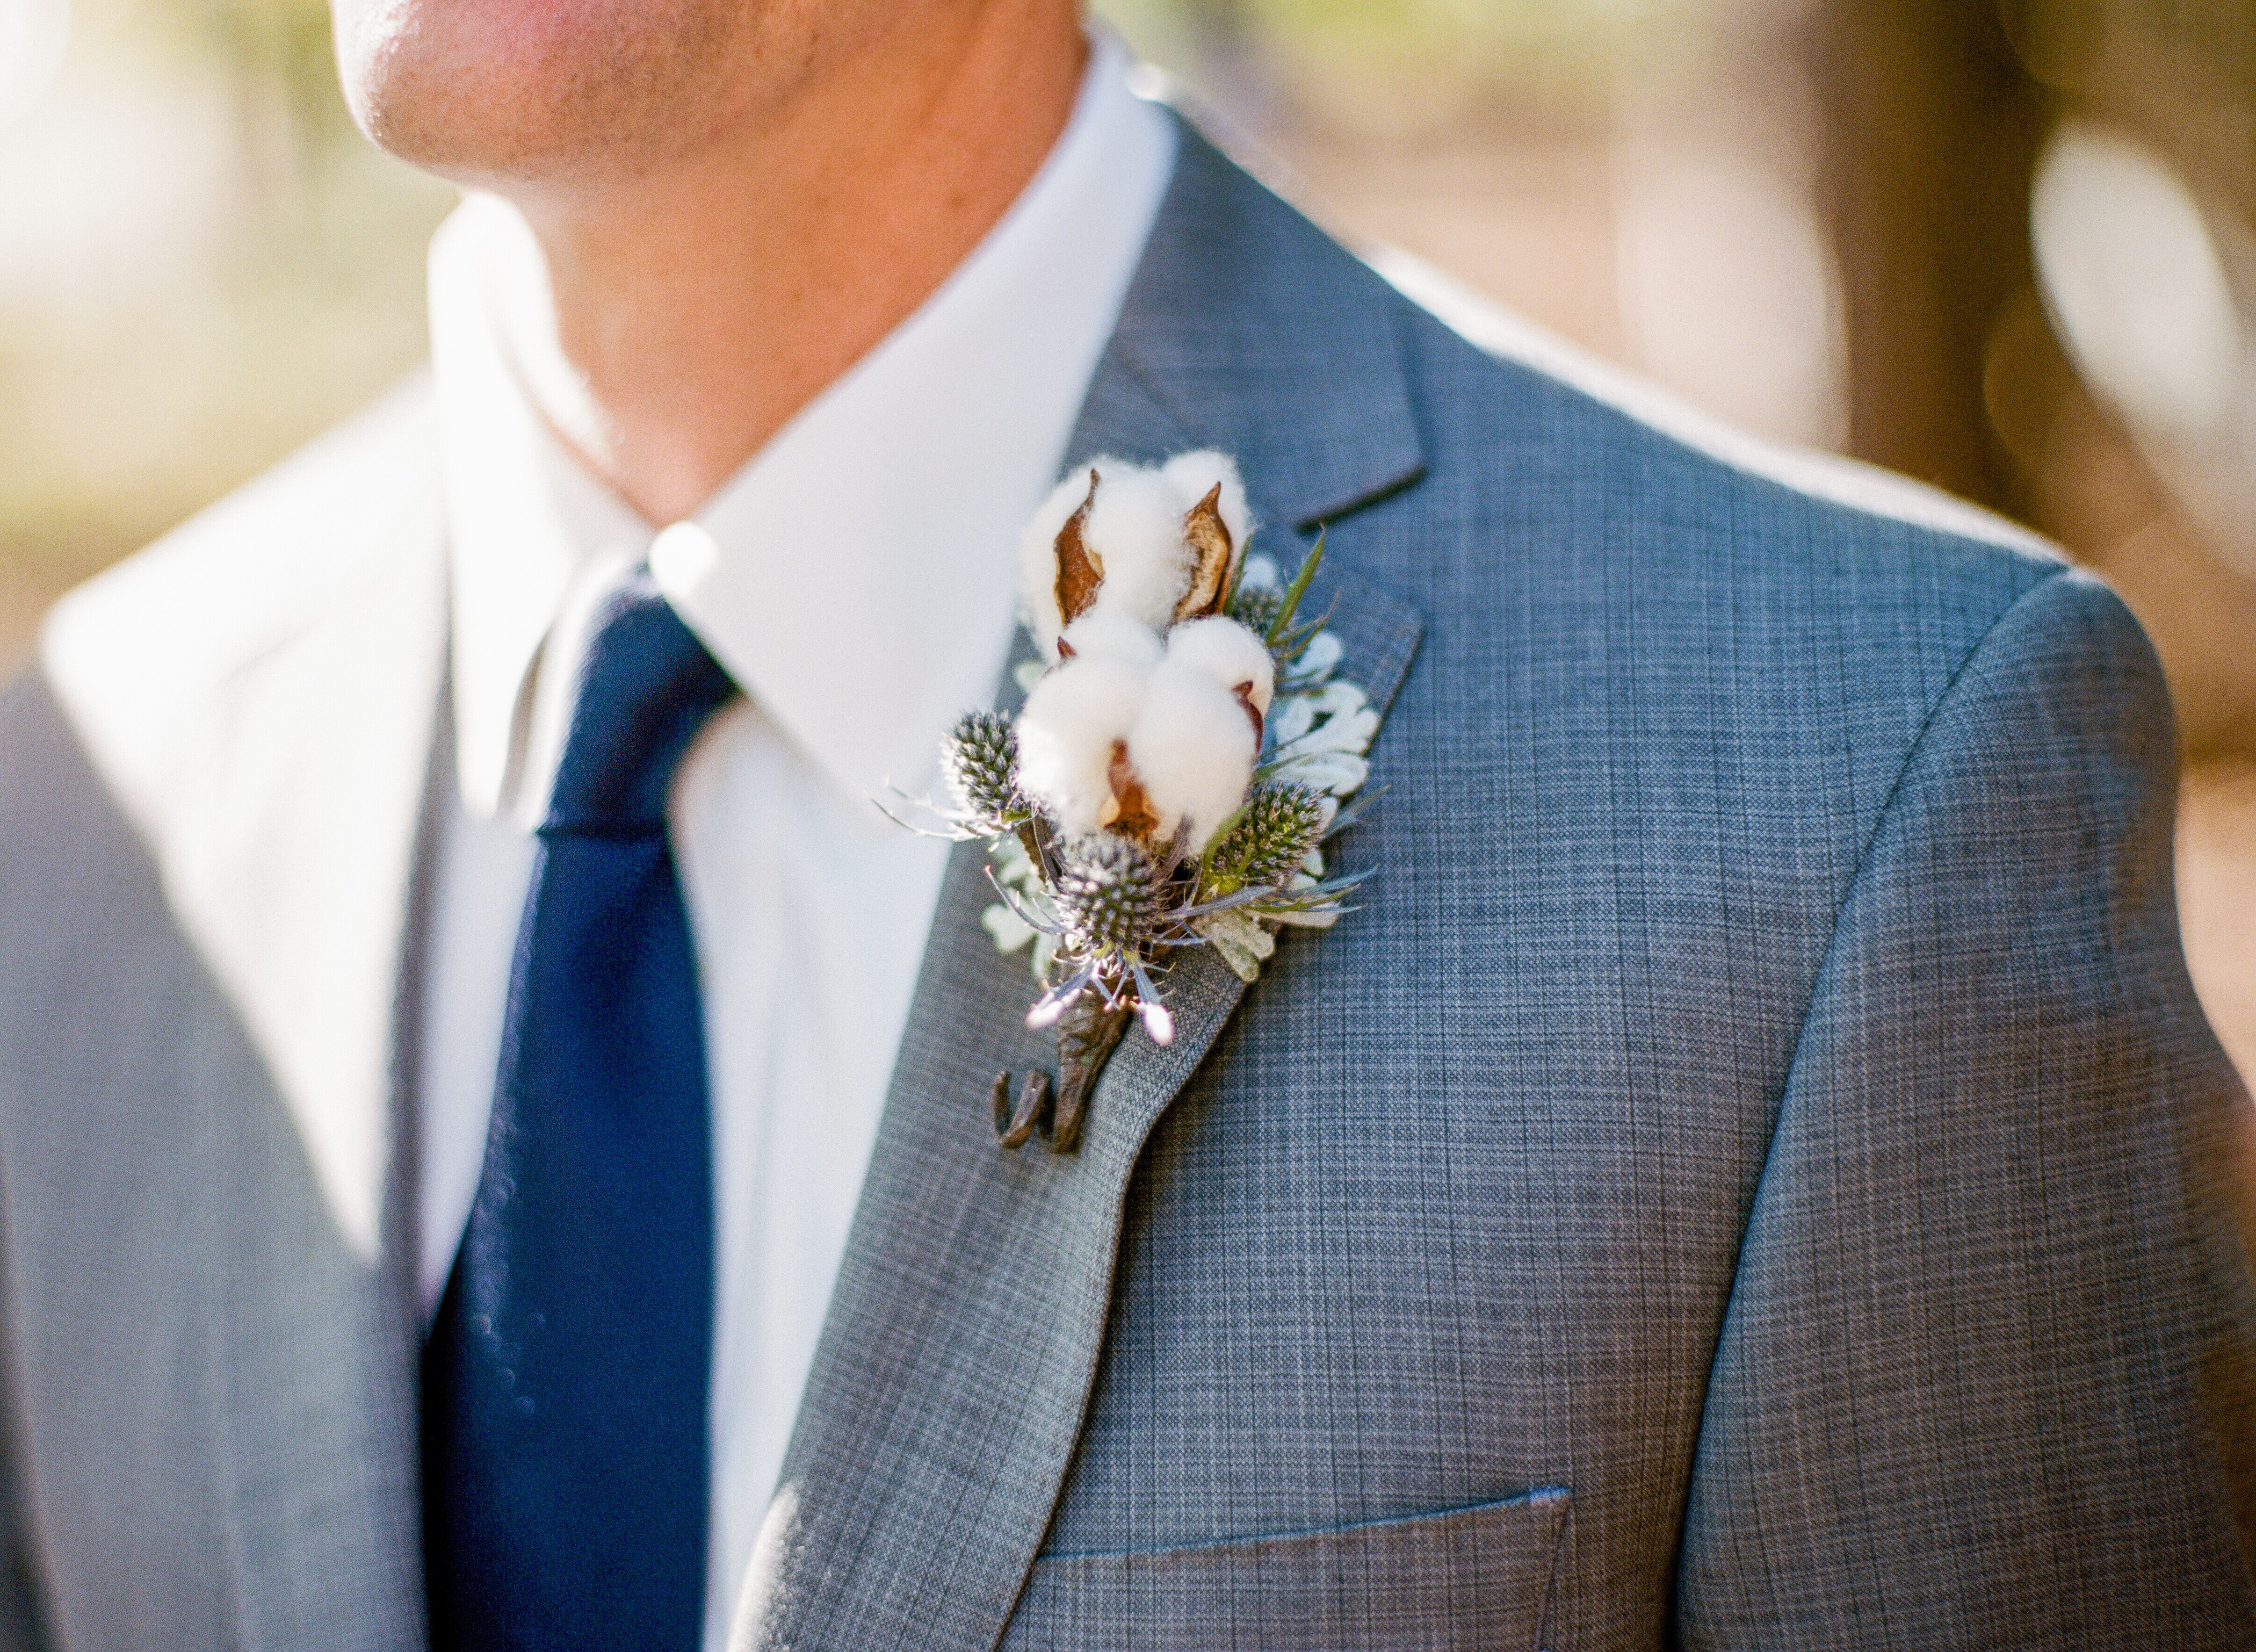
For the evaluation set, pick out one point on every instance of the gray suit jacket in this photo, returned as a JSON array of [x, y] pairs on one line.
[[1751, 1173]]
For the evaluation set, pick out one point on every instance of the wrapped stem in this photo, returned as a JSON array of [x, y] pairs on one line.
[[1090, 1031]]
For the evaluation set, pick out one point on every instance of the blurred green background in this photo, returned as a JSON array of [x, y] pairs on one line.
[[2006, 248]]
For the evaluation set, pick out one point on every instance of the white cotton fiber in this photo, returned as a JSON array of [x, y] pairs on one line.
[[1259, 573], [1065, 734], [1194, 476], [1134, 532], [1136, 529], [1192, 746], [1105, 634], [1038, 557], [1227, 653]]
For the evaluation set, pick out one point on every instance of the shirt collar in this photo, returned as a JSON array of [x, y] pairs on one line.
[[857, 577]]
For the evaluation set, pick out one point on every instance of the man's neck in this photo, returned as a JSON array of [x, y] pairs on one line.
[[705, 304]]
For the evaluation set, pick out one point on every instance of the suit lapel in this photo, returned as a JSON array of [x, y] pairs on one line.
[[955, 1367], [258, 697], [258, 694], [317, 1356]]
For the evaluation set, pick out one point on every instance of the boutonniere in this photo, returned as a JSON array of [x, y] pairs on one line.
[[1185, 746]]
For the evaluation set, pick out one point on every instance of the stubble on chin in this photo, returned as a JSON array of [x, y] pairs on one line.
[[538, 94]]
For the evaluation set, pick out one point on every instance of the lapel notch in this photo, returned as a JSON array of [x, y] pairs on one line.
[[1246, 325]]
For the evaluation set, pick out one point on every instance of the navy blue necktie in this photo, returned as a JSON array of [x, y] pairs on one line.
[[564, 1383]]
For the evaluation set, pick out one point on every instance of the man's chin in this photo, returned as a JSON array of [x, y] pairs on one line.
[[518, 95], [466, 146]]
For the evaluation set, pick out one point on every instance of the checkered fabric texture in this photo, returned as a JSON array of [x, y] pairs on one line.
[[1751, 1173]]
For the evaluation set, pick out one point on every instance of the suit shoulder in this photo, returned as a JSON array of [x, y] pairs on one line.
[[242, 573], [143, 662], [1509, 414], [2070, 657], [1490, 380], [147, 643], [1581, 548]]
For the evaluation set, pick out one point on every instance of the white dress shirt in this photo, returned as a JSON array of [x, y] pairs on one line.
[[856, 579]]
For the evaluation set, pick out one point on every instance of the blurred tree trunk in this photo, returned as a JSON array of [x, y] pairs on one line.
[[1933, 130]]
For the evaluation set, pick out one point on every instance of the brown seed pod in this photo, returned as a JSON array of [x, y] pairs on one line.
[[1129, 812], [1209, 538], [1079, 570]]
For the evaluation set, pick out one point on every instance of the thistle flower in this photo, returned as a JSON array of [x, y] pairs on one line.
[[1109, 896], [1256, 607], [980, 758], [1271, 837]]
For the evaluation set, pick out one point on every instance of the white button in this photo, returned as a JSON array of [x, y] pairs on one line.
[[682, 558]]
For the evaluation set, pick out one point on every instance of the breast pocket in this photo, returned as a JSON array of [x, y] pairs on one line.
[[1474, 1577]]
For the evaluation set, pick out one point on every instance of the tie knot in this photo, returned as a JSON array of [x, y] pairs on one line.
[[646, 686]]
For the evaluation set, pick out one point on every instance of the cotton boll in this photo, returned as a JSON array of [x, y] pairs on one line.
[[1193, 747], [1227, 653], [1135, 530], [1065, 734], [1107, 634], [1194, 476], [1134, 537], [1038, 569]]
